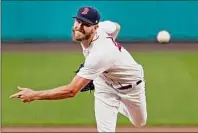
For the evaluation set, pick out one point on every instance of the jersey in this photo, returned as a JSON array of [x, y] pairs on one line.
[[106, 60]]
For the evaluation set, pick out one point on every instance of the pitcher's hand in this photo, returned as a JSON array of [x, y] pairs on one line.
[[25, 94]]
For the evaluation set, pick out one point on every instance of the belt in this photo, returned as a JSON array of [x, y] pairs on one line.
[[129, 86]]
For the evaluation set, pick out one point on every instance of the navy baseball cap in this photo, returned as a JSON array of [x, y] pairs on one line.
[[89, 15]]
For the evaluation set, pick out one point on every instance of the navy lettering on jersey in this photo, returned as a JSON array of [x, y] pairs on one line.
[[116, 43]]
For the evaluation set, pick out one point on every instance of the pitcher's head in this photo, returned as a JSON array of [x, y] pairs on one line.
[[85, 24]]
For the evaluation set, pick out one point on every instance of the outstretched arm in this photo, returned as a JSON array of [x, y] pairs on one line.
[[68, 91], [63, 92]]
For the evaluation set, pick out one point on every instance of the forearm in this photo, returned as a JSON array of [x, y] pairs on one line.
[[55, 94]]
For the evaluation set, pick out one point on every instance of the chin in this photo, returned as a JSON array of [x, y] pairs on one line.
[[78, 38]]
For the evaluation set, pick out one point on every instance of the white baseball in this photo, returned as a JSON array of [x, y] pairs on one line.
[[163, 37]]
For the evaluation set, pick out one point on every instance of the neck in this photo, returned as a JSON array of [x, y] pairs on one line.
[[86, 43]]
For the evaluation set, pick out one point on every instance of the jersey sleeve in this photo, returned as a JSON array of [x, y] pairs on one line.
[[95, 65], [108, 26]]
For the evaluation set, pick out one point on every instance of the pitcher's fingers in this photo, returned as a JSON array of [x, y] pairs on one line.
[[20, 88], [23, 100], [16, 95]]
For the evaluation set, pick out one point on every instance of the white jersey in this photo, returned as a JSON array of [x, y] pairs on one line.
[[104, 61]]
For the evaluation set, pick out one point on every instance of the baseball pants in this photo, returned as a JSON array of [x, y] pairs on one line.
[[130, 103]]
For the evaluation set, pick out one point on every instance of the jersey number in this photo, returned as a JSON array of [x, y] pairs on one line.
[[118, 45]]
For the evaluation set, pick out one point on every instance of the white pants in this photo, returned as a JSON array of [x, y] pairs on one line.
[[108, 102]]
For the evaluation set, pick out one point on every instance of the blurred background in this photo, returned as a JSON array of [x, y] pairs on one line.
[[31, 28], [140, 20]]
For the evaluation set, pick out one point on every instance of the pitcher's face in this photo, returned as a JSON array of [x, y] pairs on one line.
[[82, 31]]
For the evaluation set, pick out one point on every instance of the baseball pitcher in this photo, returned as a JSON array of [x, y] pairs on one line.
[[108, 68]]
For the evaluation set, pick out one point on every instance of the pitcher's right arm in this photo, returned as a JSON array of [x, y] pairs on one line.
[[111, 28]]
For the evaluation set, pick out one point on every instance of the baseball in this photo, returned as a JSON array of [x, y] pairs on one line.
[[163, 37]]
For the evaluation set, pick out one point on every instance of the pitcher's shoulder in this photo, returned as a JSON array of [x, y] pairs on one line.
[[104, 45]]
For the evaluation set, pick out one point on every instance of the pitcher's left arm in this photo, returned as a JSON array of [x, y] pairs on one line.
[[63, 92]]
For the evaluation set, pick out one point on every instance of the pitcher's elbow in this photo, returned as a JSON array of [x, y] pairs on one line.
[[118, 27], [72, 93]]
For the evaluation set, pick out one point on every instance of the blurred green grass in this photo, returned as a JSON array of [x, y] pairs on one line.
[[171, 88]]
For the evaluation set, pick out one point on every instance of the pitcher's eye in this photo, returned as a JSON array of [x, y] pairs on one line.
[[86, 24], [78, 20]]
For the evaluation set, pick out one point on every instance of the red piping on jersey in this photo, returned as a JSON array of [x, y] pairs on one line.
[[116, 43]]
